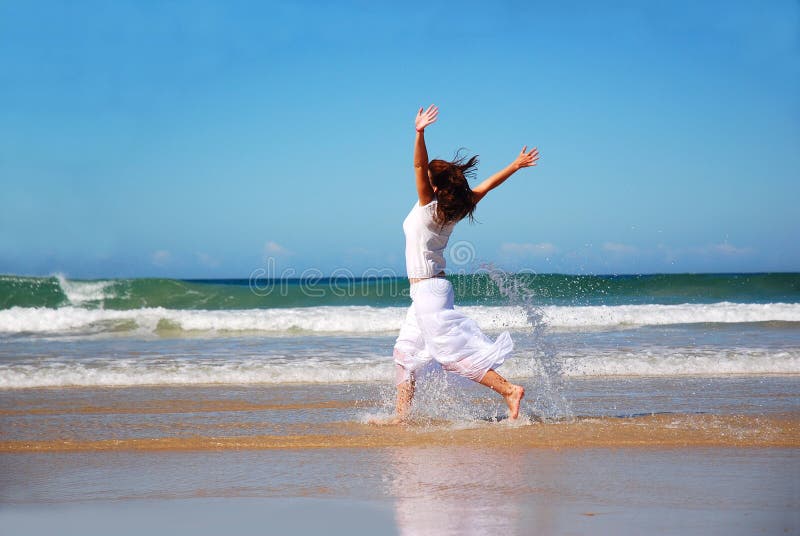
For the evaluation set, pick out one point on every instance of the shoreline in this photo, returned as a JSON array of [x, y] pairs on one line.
[[668, 430]]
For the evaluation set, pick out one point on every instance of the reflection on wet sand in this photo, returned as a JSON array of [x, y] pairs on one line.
[[441, 490]]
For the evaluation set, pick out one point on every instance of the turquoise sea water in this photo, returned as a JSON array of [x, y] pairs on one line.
[[57, 332], [473, 289]]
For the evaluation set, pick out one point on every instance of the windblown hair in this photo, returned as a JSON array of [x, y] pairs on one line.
[[456, 200]]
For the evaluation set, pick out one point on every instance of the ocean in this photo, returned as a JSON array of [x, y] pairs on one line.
[[59, 332]]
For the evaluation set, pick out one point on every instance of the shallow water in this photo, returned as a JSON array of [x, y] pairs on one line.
[[206, 413], [667, 351]]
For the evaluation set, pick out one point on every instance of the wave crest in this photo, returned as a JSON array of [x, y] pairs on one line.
[[172, 370], [366, 319]]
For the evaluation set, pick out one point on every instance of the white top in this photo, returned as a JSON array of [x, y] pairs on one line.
[[425, 241]]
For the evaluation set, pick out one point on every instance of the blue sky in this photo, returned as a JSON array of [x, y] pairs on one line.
[[201, 139]]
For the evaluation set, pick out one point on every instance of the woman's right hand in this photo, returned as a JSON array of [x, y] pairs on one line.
[[425, 118], [526, 159]]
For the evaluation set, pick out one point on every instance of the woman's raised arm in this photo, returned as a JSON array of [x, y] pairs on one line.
[[424, 188], [523, 160]]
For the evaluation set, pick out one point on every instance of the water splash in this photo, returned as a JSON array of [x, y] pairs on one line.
[[545, 397], [443, 398]]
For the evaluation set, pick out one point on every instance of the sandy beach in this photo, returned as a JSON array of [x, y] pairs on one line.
[[302, 459]]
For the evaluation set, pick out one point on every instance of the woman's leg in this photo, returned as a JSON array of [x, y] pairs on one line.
[[405, 395], [409, 355], [511, 393]]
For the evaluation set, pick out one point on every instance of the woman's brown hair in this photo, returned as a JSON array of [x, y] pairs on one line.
[[455, 198]]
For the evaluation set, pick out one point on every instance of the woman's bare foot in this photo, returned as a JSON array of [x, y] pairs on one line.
[[513, 399], [512, 393]]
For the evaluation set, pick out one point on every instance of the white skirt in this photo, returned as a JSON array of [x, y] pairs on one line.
[[434, 330]]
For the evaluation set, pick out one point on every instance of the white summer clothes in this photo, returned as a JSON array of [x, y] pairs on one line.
[[433, 329], [425, 241]]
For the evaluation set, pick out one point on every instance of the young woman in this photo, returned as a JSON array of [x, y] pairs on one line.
[[432, 328]]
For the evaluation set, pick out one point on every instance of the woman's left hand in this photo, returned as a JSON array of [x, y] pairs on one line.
[[426, 117], [526, 159]]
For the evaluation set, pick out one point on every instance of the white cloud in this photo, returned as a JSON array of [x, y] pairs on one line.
[[726, 249], [207, 260], [537, 250], [161, 257], [273, 248], [670, 254], [616, 247], [730, 249]]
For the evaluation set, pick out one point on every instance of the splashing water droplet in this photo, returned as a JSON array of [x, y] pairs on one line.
[[544, 367]]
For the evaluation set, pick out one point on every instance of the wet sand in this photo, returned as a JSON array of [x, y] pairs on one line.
[[404, 490], [648, 431], [715, 457]]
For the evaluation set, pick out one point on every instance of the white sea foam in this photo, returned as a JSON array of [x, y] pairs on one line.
[[80, 292], [657, 315], [365, 319], [127, 372], [175, 370], [666, 361]]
